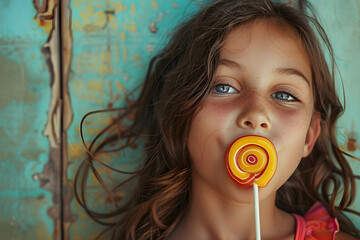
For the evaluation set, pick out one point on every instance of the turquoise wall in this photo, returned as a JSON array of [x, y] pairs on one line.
[[24, 99], [110, 44], [341, 20]]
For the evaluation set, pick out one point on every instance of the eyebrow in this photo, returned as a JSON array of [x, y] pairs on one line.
[[292, 71], [286, 71], [230, 63]]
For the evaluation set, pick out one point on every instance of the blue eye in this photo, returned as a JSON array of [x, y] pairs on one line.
[[284, 96], [223, 89]]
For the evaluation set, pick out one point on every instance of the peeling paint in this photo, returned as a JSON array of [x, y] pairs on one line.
[[153, 28], [131, 27], [59, 114], [150, 48]]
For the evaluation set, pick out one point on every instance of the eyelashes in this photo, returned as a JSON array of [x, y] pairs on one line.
[[285, 96], [223, 88], [281, 95]]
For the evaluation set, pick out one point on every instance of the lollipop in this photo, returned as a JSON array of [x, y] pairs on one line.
[[251, 159]]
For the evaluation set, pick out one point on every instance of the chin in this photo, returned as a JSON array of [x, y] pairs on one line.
[[240, 194]]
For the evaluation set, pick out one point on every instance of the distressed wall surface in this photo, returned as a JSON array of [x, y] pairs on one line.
[[105, 47], [341, 20], [113, 43], [24, 100]]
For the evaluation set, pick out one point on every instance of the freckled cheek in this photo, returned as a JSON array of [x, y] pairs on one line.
[[218, 107], [290, 133], [290, 120], [214, 114], [208, 129]]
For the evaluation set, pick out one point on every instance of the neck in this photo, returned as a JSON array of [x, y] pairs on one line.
[[214, 216]]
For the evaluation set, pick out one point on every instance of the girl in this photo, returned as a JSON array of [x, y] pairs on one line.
[[239, 67]]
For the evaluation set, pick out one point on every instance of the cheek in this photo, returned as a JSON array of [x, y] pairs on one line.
[[290, 134], [291, 123], [211, 118], [207, 136]]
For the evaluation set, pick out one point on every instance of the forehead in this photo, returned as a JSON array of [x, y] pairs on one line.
[[267, 40], [276, 32]]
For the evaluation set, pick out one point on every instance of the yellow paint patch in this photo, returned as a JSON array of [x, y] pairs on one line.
[[112, 18], [78, 85], [154, 4], [79, 3], [122, 36], [92, 97], [102, 69], [125, 53], [130, 27], [86, 15], [119, 6], [90, 9], [133, 8], [96, 86], [76, 24], [76, 150], [119, 86], [98, 124], [137, 57], [100, 19]]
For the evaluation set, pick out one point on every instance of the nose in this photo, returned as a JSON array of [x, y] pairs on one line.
[[253, 115]]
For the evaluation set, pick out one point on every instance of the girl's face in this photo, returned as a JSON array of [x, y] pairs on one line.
[[262, 86]]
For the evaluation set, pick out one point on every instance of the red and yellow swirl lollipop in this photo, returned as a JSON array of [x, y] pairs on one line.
[[251, 159]]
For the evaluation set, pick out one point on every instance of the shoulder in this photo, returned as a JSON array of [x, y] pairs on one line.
[[344, 236]]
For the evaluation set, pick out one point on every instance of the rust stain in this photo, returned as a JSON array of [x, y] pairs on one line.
[[351, 143], [45, 24], [59, 113], [44, 16]]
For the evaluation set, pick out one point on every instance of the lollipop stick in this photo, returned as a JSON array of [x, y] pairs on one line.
[[257, 214]]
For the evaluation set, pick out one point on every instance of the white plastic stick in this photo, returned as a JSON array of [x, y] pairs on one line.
[[257, 212]]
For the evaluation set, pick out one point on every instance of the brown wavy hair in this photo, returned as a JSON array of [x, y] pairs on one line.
[[177, 81]]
